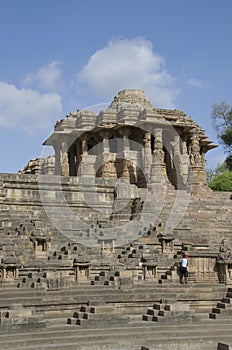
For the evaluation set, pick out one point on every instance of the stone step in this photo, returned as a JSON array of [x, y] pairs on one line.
[[139, 335], [150, 286], [221, 305], [52, 322], [102, 309], [217, 312], [137, 327], [110, 294], [103, 320], [227, 300], [73, 320]]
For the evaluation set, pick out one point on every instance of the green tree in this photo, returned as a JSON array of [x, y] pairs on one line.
[[211, 173], [222, 123], [222, 182]]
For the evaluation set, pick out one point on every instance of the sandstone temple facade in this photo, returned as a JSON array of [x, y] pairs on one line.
[[128, 140], [92, 236]]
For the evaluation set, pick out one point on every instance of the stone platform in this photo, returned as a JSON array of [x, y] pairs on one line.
[[92, 237]]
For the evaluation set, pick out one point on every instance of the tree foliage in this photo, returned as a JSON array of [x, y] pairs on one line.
[[222, 123], [211, 173], [222, 182]]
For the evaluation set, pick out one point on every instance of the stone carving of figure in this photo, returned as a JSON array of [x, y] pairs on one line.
[[65, 165], [108, 169], [147, 141], [225, 251], [158, 147], [230, 271], [194, 150], [10, 273], [159, 156]]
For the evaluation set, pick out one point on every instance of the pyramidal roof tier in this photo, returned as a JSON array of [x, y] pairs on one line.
[[132, 98], [129, 107]]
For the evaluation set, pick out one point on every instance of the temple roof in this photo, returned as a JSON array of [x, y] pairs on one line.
[[129, 107], [130, 98]]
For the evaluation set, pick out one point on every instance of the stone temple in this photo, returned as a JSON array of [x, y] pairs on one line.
[[92, 236]]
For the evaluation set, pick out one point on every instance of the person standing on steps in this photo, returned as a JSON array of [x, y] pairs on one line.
[[184, 269]]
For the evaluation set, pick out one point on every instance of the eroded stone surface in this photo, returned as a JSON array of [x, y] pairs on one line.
[[92, 236]]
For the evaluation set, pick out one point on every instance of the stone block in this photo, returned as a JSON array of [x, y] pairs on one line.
[[222, 346], [103, 309]]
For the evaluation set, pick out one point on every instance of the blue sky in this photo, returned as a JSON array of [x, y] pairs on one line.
[[61, 55]]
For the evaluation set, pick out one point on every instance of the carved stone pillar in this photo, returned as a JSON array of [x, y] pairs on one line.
[[184, 159], [176, 145], [126, 142], [105, 162], [57, 160], [85, 160], [78, 154], [158, 168], [177, 170], [198, 176], [158, 147], [105, 141], [65, 164], [122, 161], [194, 150], [84, 145], [147, 153], [72, 159], [147, 142], [124, 135]]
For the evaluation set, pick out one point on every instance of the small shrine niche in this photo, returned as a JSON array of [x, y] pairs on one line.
[[9, 269], [40, 244], [107, 245], [166, 240], [224, 262], [149, 265], [82, 270], [150, 271]]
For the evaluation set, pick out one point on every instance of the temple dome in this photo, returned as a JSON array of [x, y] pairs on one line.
[[131, 98]]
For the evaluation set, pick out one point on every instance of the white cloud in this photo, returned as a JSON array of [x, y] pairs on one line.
[[195, 83], [46, 78], [128, 64], [27, 109]]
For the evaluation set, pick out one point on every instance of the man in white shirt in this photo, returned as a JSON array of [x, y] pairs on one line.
[[184, 269]]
